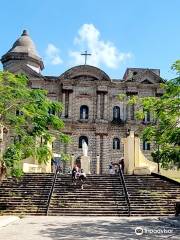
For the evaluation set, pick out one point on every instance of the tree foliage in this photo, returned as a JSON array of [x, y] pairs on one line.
[[26, 114], [164, 127]]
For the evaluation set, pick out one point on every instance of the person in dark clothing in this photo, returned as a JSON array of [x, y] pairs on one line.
[[74, 174], [121, 163]]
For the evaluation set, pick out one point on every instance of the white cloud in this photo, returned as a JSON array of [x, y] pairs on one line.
[[52, 53], [103, 52]]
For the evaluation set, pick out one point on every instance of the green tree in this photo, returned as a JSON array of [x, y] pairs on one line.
[[164, 129], [29, 116]]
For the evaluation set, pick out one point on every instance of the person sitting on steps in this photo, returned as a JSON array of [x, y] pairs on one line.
[[82, 177], [111, 168], [75, 174]]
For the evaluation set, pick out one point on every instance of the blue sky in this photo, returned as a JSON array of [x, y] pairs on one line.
[[119, 34]]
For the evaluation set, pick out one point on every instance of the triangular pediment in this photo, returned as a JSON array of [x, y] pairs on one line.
[[143, 75], [146, 81], [29, 72], [149, 77]]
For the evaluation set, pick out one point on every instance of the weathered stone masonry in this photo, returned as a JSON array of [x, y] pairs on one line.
[[103, 119]]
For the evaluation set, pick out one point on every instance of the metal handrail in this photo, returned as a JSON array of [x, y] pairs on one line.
[[121, 175], [51, 191]]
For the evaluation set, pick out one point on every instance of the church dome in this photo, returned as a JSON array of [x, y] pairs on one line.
[[23, 52], [24, 45]]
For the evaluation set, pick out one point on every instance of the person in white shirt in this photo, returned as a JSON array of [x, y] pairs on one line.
[[82, 177], [111, 168]]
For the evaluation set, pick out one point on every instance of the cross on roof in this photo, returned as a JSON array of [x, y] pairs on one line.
[[85, 54]]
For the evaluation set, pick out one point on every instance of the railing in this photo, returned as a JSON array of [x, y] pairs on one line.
[[51, 191], [121, 176]]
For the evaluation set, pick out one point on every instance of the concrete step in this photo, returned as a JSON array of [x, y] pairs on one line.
[[89, 214], [102, 196], [91, 199], [88, 210]]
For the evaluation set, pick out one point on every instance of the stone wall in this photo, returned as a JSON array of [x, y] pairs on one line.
[[100, 97], [87, 85]]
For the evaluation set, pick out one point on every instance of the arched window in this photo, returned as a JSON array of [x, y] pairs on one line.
[[17, 139], [116, 113], [81, 139], [51, 111], [84, 112], [116, 143], [146, 116], [146, 145], [19, 113]]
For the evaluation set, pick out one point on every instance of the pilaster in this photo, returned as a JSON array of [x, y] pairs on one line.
[[105, 105], [98, 105], [63, 101], [105, 159], [70, 105]]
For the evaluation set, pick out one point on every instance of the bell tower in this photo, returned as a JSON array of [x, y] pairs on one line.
[[22, 53]]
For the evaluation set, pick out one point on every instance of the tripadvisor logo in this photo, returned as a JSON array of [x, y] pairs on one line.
[[139, 231]]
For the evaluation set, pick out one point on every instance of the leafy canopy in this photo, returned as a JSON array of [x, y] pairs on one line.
[[25, 114], [164, 127]]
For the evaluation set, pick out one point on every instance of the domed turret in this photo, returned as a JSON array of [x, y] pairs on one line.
[[23, 52]]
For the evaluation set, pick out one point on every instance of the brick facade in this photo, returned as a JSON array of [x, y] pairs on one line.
[[90, 86]]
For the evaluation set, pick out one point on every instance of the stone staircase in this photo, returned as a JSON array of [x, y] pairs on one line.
[[151, 195], [101, 196], [26, 196]]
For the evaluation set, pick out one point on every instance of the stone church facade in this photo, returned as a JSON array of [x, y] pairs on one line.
[[92, 111]]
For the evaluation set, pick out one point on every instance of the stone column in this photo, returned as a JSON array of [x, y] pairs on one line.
[[125, 154], [97, 145], [131, 152], [70, 105], [97, 154], [98, 105], [63, 101], [97, 164], [105, 159], [123, 111], [85, 164], [105, 105], [128, 114]]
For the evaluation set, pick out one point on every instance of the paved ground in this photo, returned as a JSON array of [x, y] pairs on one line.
[[88, 228], [5, 220]]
